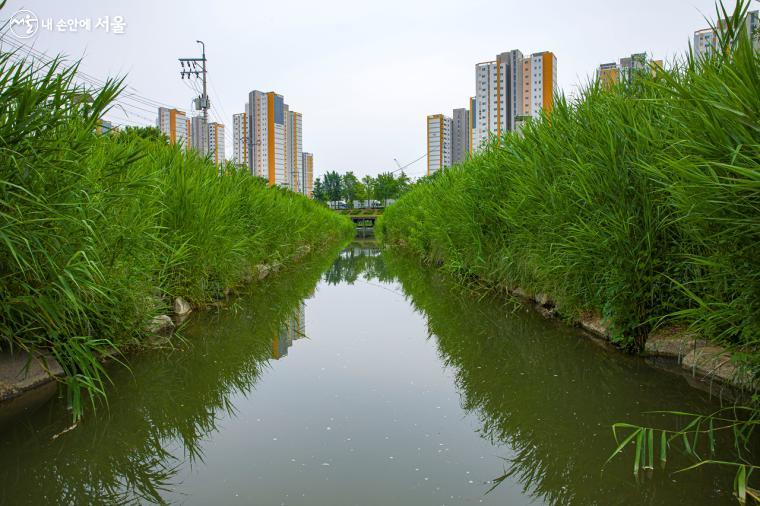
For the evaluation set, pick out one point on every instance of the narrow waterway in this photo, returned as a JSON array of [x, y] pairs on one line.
[[360, 380]]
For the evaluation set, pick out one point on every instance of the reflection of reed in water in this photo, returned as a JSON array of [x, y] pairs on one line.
[[164, 409], [291, 329], [548, 396]]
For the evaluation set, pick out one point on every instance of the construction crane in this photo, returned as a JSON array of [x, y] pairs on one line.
[[400, 167]]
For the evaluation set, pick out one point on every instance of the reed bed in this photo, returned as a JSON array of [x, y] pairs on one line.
[[99, 232], [639, 203]]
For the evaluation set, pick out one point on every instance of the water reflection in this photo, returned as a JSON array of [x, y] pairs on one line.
[[291, 329], [541, 392], [542, 397], [160, 414], [549, 397], [359, 259]]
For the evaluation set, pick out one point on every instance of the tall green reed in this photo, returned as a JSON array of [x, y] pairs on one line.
[[98, 232], [639, 203]]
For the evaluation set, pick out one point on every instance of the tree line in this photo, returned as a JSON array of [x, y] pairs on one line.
[[333, 187]]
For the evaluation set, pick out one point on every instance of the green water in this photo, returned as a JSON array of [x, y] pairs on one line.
[[360, 380]]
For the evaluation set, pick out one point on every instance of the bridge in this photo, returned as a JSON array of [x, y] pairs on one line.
[[367, 221]]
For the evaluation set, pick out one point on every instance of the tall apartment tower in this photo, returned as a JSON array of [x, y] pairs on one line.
[[268, 137], [705, 40], [216, 143], [473, 122], [307, 174], [199, 135], [460, 135], [174, 124], [439, 129], [610, 74], [539, 83], [240, 139], [295, 151], [498, 91]]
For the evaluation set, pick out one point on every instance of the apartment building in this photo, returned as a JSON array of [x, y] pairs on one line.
[[240, 139], [460, 135], [216, 143], [473, 122], [295, 151], [609, 74], [439, 153], [199, 135], [307, 173], [706, 40], [498, 88], [509, 87], [268, 137], [539, 83], [174, 124], [104, 126]]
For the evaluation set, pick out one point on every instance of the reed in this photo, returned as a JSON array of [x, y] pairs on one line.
[[99, 232], [639, 203]]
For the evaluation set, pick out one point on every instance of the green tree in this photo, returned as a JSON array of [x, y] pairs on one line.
[[350, 188], [401, 185], [385, 185], [148, 133], [368, 188], [333, 185], [318, 191]]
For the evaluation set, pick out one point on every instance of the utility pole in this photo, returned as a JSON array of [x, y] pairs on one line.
[[202, 103]]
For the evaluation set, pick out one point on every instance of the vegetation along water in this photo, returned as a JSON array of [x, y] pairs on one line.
[[368, 376], [638, 203], [361, 379], [100, 232]]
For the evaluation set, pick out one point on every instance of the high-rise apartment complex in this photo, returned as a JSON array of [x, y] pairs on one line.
[[473, 122], [439, 129], [612, 73], [498, 90], [307, 174], [174, 124], [460, 135], [240, 139], [638, 62], [216, 143], [507, 88], [539, 83], [274, 138], [295, 151], [199, 135], [268, 133], [608, 74], [705, 40]]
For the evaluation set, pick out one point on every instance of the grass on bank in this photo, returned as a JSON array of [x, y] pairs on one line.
[[639, 203], [98, 233]]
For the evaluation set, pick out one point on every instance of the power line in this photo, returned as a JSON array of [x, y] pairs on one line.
[[409, 164], [129, 100]]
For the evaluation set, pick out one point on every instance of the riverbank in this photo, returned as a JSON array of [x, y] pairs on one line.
[[103, 234], [633, 209], [298, 372]]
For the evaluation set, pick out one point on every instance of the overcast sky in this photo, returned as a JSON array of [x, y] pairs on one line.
[[364, 74]]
